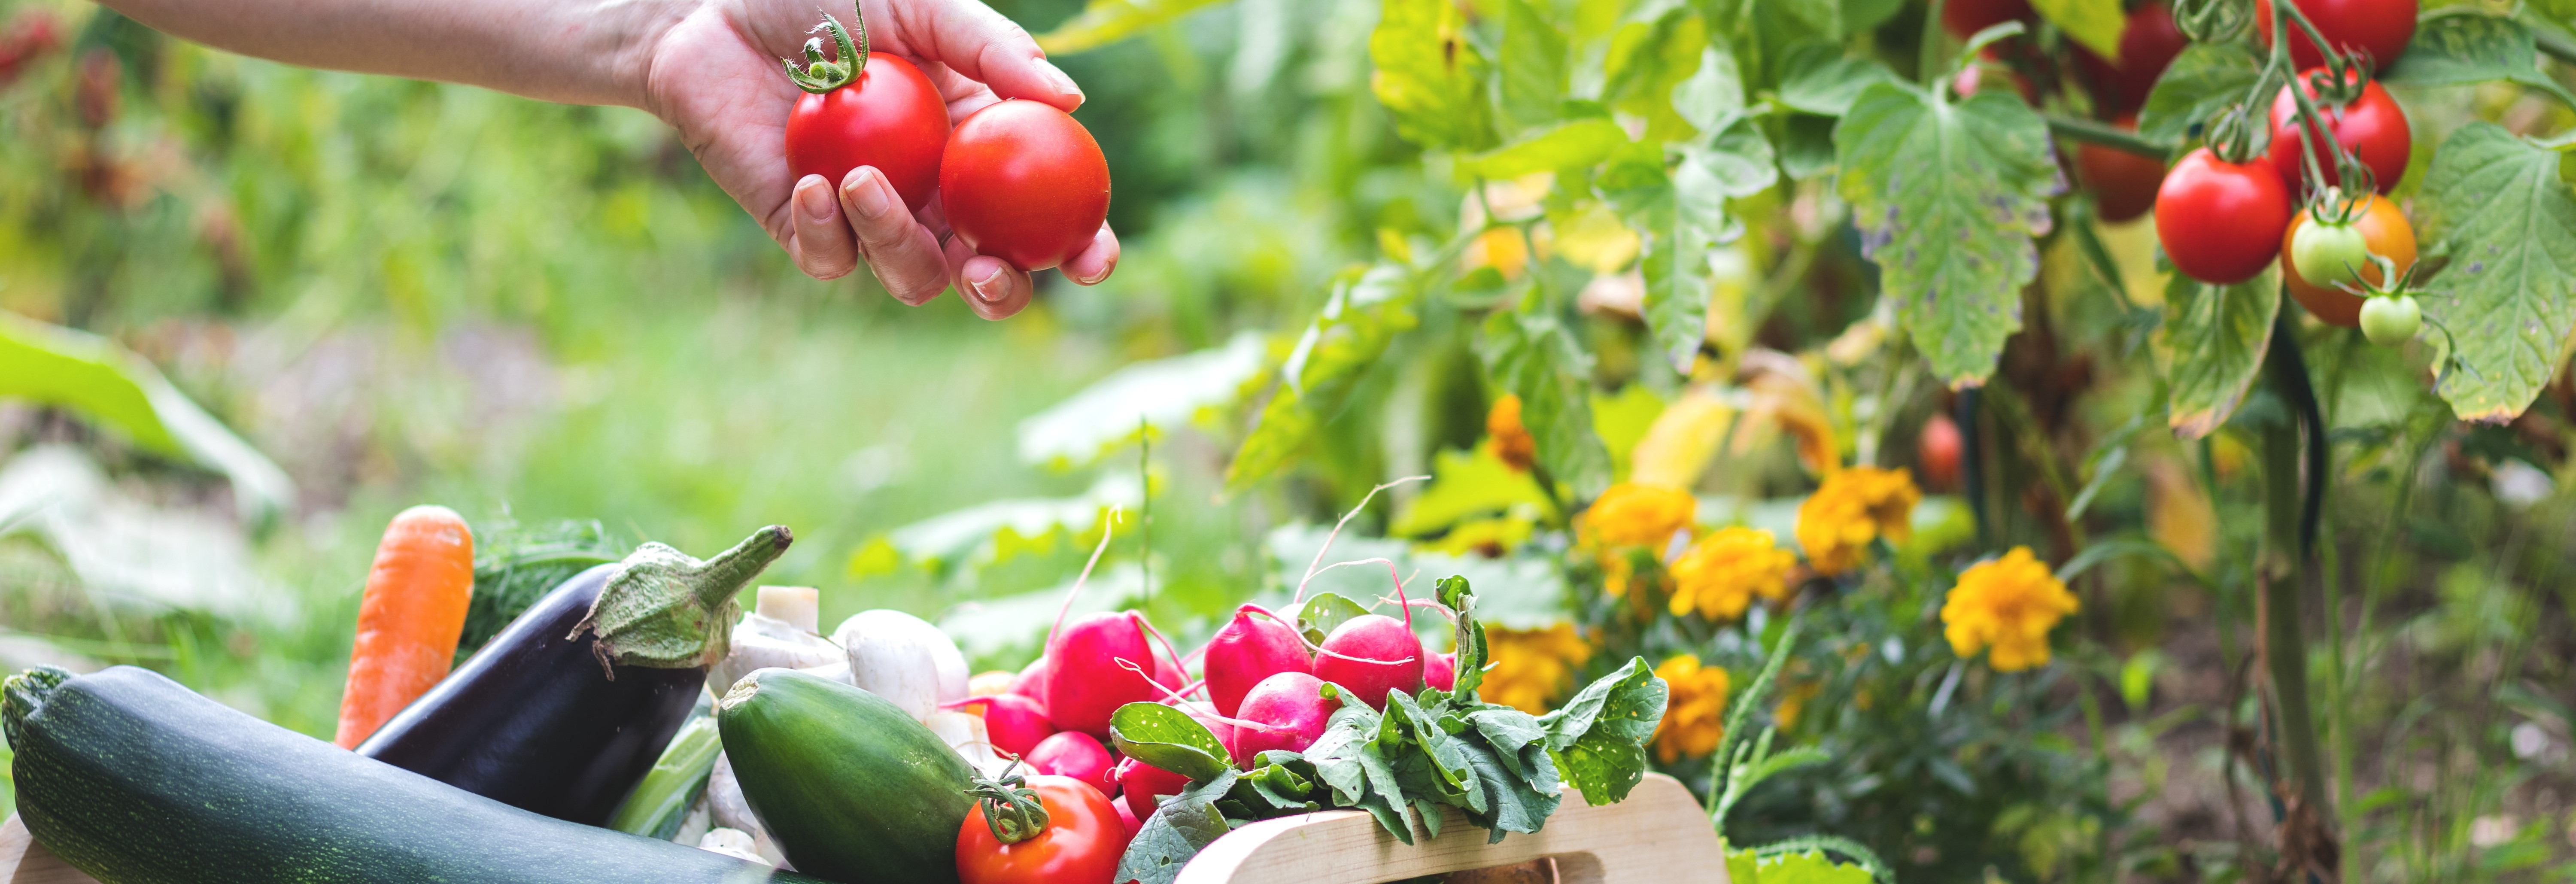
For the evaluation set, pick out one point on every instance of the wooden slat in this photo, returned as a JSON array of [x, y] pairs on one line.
[[23, 861], [1658, 836]]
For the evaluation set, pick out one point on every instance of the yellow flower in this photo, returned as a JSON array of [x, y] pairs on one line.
[[2009, 605], [1532, 668], [1695, 716], [1511, 441], [1630, 514], [1853, 507], [1722, 573]]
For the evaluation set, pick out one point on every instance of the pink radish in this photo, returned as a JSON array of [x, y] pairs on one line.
[[1441, 671], [1075, 755], [1031, 682], [1167, 673], [1127, 818], [1012, 723], [1372, 654], [1253, 646], [1292, 704], [1220, 725], [1143, 786], [1084, 681]]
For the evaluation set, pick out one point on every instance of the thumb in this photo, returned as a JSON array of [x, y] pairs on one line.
[[982, 45]]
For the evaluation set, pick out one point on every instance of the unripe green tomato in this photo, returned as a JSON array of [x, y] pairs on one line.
[[2390, 321], [2326, 254]]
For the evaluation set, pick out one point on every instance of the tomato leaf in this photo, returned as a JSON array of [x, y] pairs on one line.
[[1103, 22], [2204, 80], [2497, 204], [1346, 338], [1819, 79], [1168, 738], [1806, 146], [1578, 144], [1430, 75], [2460, 48], [1533, 58], [2095, 23], [1537, 358], [1183, 825], [1681, 229], [1714, 94], [2212, 345], [1948, 197]]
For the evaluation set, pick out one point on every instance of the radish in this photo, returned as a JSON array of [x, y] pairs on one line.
[[1143, 786], [1220, 725], [1250, 648], [1167, 673], [1292, 704], [1075, 755], [1031, 682], [1372, 654], [1127, 818], [1012, 722], [1084, 681], [1441, 671]]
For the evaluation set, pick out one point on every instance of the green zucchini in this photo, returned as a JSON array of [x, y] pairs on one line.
[[136, 780], [850, 787]]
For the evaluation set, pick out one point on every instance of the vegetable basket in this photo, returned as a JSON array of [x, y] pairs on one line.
[[1659, 835]]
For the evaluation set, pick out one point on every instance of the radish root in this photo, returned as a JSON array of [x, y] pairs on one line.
[[1337, 532]]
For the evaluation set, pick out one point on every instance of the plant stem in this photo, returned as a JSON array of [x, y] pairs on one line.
[[2115, 138], [1972, 470], [2288, 519]]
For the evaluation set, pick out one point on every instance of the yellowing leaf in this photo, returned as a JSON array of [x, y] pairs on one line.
[[1579, 144], [2497, 203], [1623, 419], [2095, 23], [1431, 75], [2212, 345], [1682, 441]]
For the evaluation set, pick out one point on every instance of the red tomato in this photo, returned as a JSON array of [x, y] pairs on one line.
[[1964, 18], [1081, 844], [2377, 27], [2371, 127], [1024, 183], [1938, 451], [2383, 229], [2221, 222], [2123, 183], [889, 117], [2147, 44]]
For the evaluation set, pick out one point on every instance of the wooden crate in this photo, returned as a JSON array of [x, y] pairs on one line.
[[1658, 836]]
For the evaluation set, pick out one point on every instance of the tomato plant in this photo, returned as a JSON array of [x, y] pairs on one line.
[[2218, 220], [866, 109], [1025, 183], [2378, 28], [1039, 829], [2124, 183], [1964, 18], [2390, 320], [2148, 43], [1937, 450], [2377, 227], [2370, 126]]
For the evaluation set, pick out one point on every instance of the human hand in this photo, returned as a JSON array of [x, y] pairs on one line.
[[714, 75]]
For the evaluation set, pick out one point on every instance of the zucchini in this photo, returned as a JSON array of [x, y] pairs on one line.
[[850, 787], [136, 780]]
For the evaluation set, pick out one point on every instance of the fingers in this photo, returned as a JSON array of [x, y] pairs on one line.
[[979, 43], [821, 243], [1096, 262], [906, 258], [991, 286]]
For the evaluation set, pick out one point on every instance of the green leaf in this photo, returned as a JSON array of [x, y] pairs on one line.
[[1168, 738], [1803, 867], [1323, 612], [1163, 393], [1537, 358], [104, 383], [2204, 80], [1681, 229], [2462, 47], [1648, 62], [1469, 666], [1819, 79], [1580, 144], [1603, 769], [1430, 75], [1626, 704], [1466, 484], [1533, 59], [1948, 197], [1103, 22], [1183, 825], [2212, 344], [1714, 94], [2095, 23], [1512, 804], [2497, 204], [1806, 146], [1738, 161], [1345, 339]]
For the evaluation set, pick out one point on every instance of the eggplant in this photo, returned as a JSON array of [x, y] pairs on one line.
[[565, 710]]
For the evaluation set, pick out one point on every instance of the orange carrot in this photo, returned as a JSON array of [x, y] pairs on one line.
[[410, 619]]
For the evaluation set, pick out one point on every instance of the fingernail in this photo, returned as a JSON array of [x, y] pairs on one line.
[[991, 288], [1063, 84], [816, 201], [870, 198]]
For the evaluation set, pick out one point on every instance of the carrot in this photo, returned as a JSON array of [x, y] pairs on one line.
[[410, 619]]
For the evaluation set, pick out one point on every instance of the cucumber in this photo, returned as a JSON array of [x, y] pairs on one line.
[[136, 780], [850, 787]]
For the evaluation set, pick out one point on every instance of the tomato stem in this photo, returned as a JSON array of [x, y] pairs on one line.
[[1011, 808], [822, 75]]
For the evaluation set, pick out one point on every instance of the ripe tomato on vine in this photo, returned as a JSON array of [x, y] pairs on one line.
[[2370, 126], [866, 109], [2218, 220], [2378, 28]]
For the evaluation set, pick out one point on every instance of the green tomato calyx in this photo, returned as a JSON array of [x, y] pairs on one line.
[[822, 75]]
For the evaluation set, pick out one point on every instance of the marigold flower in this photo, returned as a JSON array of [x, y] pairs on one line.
[[1532, 668], [1695, 713], [1853, 507], [1509, 438], [2008, 605], [1630, 514], [1722, 573]]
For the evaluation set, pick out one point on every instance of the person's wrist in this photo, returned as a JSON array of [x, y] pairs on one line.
[[633, 31]]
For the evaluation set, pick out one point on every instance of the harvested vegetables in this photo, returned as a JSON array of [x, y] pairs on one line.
[[661, 801], [1039, 829], [514, 566], [851, 787], [410, 618]]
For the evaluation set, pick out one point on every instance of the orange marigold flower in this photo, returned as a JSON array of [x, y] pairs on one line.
[[1532, 668], [2007, 605], [1722, 573], [1630, 514], [1853, 507], [1695, 714], [1510, 439]]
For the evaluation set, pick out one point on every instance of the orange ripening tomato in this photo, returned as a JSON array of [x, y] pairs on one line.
[[410, 618], [2386, 232], [1080, 840]]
